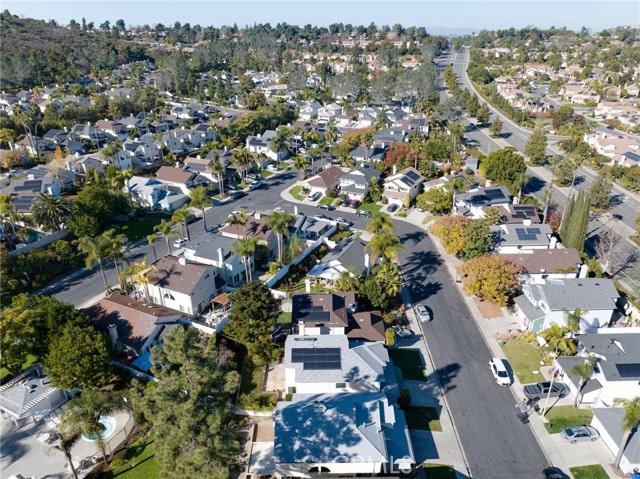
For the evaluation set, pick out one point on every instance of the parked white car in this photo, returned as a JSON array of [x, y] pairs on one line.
[[179, 242], [499, 369], [423, 313]]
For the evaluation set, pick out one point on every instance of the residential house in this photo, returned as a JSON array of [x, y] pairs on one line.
[[261, 144], [578, 92], [609, 423], [308, 228], [80, 165], [519, 214], [254, 228], [512, 238], [37, 180], [176, 177], [155, 195], [327, 179], [542, 305], [385, 137], [341, 435], [113, 128], [200, 166], [90, 133], [218, 251], [539, 265], [328, 363], [356, 183], [309, 110], [329, 112], [372, 154], [615, 374], [402, 187], [133, 326], [140, 152], [335, 313], [473, 202], [348, 256], [181, 284], [612, 145]]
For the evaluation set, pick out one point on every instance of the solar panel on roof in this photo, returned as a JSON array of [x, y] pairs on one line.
[[494, 194], [533, 231], [413, 175], [317, 359], [628, 370], [520, 231]]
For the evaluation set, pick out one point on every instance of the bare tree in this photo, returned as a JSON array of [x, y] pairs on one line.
[[613, 252]]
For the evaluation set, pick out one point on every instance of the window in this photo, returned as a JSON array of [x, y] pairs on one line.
[[341, 385]]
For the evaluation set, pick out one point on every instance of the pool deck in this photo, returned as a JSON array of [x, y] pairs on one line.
[[24, 453]]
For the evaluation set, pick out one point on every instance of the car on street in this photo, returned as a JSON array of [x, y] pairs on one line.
[[543, 389], [279, 209], [256, 185], [423, 313], [326, 207], [365, 213], [393, 208], [579, 434], [314, 196], [237, 194], [179, 242], [343, 222], [323, 217], [500, 371], [553, 473]]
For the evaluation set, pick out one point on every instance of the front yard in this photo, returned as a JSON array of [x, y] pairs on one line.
[[139, 228], [371, 207], [297, 193], [409, 362], [595, 471], [562, 417], [423, 418], [524, 359]]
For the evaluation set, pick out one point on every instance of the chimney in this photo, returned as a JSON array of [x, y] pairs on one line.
[[177, 164], [553, 244], [583, 269], [113, 332], [300, 328], [295, 210], [395, 169], [307, 286], [367, 265], [220, 257], [182, 260]]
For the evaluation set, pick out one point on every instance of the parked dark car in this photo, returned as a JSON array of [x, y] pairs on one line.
[[393, 208], [540, 390], [326, 207], [238, 194], [553, 473], [364, 213]]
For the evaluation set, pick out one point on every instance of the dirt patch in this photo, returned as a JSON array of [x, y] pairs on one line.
[[265, 431], [488, 309]]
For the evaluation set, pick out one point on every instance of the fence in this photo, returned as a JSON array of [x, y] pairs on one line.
[[119, 437], [39, 243]]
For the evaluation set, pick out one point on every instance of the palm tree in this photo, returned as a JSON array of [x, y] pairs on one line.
[[558, 340], [95, 249], [114, 244], [521, 181], [348, 280], [331, 133], [584, 371], [279, 222], [165, 229], [84, 413], [390, 273], [200, 200], [151, 239], [245, 248], [240, 220], [630, 423], [280, 143], [219, 170], [573, 319], [111, 150], [300, 163], [381, 222], [180, 217], [9, 213], [139, 273], [242, 159], [69, 435], [51, 212], [384, 245]]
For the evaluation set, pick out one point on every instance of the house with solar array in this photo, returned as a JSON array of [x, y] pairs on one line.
[[513, 238], [401, 185], [474, 202]]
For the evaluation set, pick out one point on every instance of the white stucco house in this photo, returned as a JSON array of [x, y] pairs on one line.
[[542, 305], [217, 251], [401, 185], [608, 422], [513, 238], [473, 202]]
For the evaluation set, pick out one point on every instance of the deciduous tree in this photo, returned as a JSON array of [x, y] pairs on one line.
[[436, 200], [477, 240], [451, 232], [503, 166], [492, 278]]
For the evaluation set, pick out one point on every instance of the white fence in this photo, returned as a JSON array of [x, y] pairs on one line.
[[47, 240]]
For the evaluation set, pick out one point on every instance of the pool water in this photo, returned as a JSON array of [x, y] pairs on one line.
[[109, 424]]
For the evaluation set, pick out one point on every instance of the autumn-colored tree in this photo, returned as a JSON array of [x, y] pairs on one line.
[[492, 278], [451, 232], [399, 155], [554, 220]]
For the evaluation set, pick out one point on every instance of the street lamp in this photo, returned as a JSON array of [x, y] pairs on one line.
[[553, 377]]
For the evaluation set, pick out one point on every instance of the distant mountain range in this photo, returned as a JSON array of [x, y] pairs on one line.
[[451, 32]]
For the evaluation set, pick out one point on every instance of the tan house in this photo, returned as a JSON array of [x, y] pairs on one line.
[[404, 184]]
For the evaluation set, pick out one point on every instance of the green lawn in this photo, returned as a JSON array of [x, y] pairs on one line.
[[284, 318], [439, 471], [424, 418], [265, 174], [409, 362], [326, 200], [5, 375], [296, 192], [524, 359], [252, 377], [595, 471], [562, 417], [372, 207], [140, 462], [138, 228]]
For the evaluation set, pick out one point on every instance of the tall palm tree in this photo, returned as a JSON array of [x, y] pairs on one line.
[[219, 170], [573, 319], [9, 214], [139, 274], [84, 412], [152, 239], [331, 133], [242, 159], [240, 219], [384, 245], [558, 340], [114, 244], [390, 273], [280, 143], [245, 248], [381, 222], [630, 423], [279, 222], [95, 249], [521, 181], [180, 217], [200, 200], [584, 371], [51, 212], [348, 280], [165, 229], [300, 163], [69, 435], [110, 152]]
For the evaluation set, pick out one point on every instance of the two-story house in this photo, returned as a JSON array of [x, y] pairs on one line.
[[473, 202], [329, 112], [309, 110], [356, 183], [372, 154], [261, 144], [218, 251], [180, 284], [539, 265], [512, 238], [155, 195], [177, 178], [403, 186], [327, 179], [254, 228], [542, 305]]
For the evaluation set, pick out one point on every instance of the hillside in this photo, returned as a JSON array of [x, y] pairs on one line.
[[37, 53]]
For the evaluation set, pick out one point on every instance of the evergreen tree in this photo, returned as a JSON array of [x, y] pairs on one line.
[[576, 222], [536, 146], [600, 191]]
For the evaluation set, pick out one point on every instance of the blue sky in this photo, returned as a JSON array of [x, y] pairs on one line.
[[476, 14]]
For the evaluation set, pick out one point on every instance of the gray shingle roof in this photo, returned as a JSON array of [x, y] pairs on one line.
[[611, 420], [621, 352], [207, 246], [584, 293], [349, 252]]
